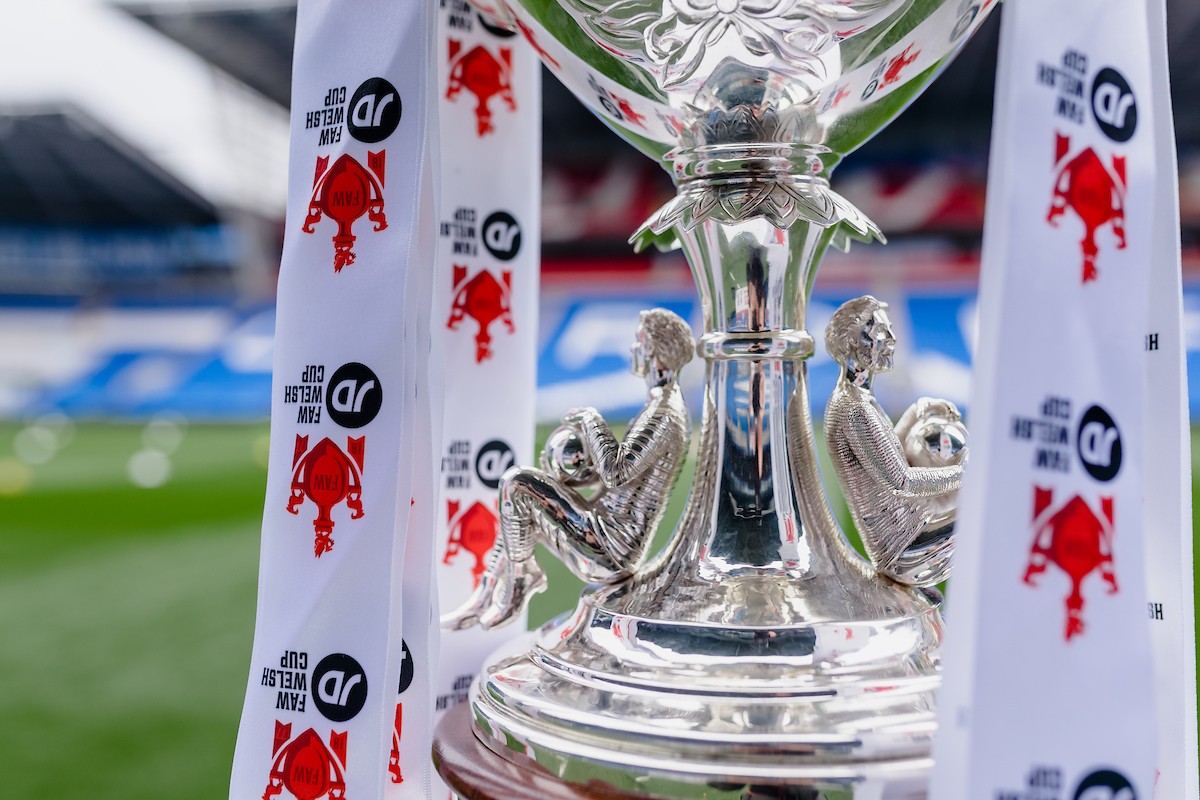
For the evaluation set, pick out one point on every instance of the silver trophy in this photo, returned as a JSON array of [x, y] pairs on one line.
[[758, 654]]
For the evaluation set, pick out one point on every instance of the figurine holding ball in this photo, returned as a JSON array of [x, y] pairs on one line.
[[901, 483]]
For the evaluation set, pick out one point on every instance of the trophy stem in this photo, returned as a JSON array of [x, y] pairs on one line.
[[769, 513]]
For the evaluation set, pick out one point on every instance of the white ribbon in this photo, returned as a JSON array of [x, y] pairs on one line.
[[354, 393], [1049, 685], [487, 308], [1168, 486]]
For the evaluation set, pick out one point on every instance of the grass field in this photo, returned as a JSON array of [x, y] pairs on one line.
[[127, 613]]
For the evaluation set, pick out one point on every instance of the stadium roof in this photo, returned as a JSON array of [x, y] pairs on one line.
[[59, 166], [250, 40], [224, 142]]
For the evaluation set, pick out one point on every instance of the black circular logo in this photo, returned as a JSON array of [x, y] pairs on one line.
[[339, 687], [493, 461], [406, 668], [964, 22], [494, 30], [353, 396], [1099, 444], [1105, 784], [502, 235], [374, 111], [1113, 105]]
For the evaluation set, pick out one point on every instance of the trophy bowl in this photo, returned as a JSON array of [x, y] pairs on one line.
[[758, 654]]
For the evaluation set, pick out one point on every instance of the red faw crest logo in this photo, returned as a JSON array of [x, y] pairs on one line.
[[483, 75], [305, 766], [1096, 193], [896, 65], [327, 476], [344, 192], [474, 530], [1075, 539], [529, 37], [485, 300], [394, 759]]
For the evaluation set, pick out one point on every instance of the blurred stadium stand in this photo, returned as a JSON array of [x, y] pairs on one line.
[[252, 41], [135, 278]]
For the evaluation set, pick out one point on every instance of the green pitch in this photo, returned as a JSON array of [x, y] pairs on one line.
[[127, 614]]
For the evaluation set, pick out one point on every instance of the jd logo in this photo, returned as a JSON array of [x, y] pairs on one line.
[[374, 111], [339, 687], [493, 461], [964, 23], [406, 668], [1105, 784], [502, 235], [1114, 105], [354, 395], [494, 30], [1099, 444]]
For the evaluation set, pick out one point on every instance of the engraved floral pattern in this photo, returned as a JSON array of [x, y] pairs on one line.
[[675, 35], [780, 202]]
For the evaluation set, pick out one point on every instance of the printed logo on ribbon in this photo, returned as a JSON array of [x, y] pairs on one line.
[[394, 758], [616, 106], [1114, 105], [305, 766], [406, 678], [502, 235], [339, 687], [1105, 784], [344, 192], [1076, 539], [485, 300], [1099, 444], [473, 530], [891, 73], [897, 65], [354, 396], [494, 30], [963, 23], [327, 476], [493, 460], [374, 111], [531, 37], [1094, 191], [483, 75]]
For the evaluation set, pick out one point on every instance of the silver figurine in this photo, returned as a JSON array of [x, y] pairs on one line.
[[602, 538], [904, 511], [758, 654]]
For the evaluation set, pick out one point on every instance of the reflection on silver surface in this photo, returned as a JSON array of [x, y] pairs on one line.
[[758, 649]]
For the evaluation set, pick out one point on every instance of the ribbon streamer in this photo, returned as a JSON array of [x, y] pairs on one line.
[[1078, 413], [354, 394]]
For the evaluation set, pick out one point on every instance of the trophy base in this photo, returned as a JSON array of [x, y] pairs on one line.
[[474, 771], [673, 709]]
